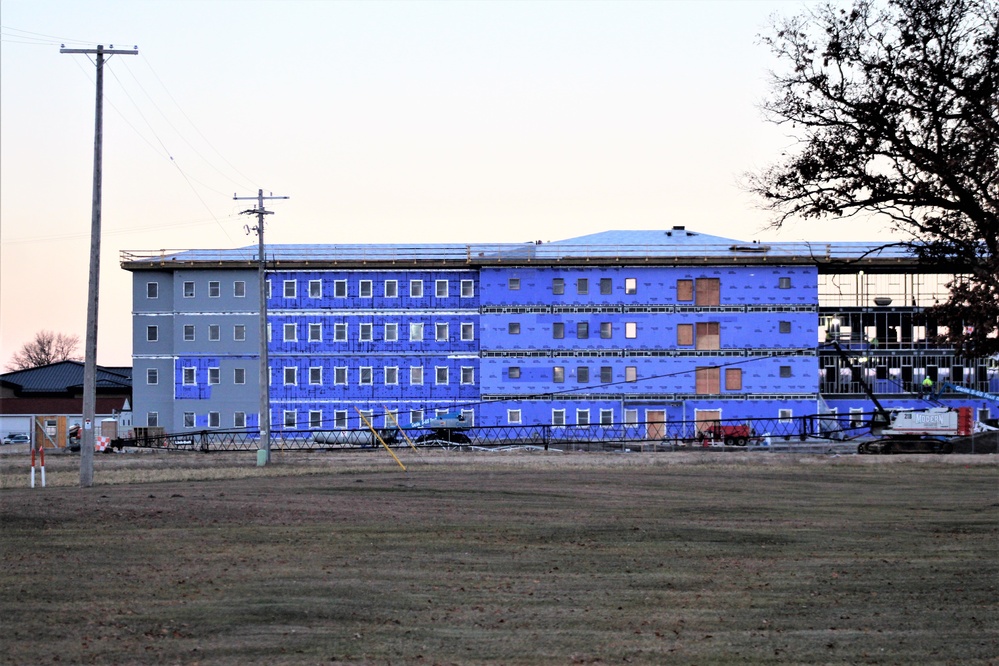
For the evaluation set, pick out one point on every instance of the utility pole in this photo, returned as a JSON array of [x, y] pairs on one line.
[[90, 355], [265, 389]]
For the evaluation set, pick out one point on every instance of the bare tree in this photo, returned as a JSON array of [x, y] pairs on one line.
[[895, 106], [47, 347]]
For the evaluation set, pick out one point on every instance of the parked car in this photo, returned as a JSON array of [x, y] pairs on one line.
[[16, 439]]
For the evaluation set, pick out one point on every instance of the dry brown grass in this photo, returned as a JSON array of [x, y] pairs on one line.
[[503, 559]]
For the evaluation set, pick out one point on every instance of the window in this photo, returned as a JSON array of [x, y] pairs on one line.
[[630, 329], [290, 418], [415, 331], [214, 289], [188, 290], [214, 332], [365, 376], [152, 419], [513, 416], [239, 289], [189, 376], [391, 332], [583, 418], [631, 417], [339, 289], [558, 286], [290, 332], [582, 286], [315, 288], [708, 335], [214, 420], [630, 373], [416, 288], [513, 328], [558, 417], [513, 372], [684, 335], [467, 375], [391, 288], [467, 331], [416, 375], [606, 286], [785, 327], [340, 419], [467, 288], [188, 332], [364, 289], [315, 332], [391, 375], [340, 332], [440, 288], [239, 332], [365, 332], [340, 376], [708, 291], [239, 375], [606, 374], [513, 284], [152, 376], [630, 286], [784, 283], [582, 374], [707, 381], [606, 417], [316, 375], [582, 330], [684, 290], [606, 330], [315, 419], [440, 331], [188, 419], [784, 415], [416, 416], [785, 371], [290, 376], [733, 379], [558, 374], [214, 376], [290, 288], [558, 330], [239, 419], [440, 374], [270, 289], [152, 290]]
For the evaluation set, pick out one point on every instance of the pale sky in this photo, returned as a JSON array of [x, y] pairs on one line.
[[448, 122]]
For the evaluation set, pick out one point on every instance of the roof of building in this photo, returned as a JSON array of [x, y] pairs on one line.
[[63, 377], [671, 245]]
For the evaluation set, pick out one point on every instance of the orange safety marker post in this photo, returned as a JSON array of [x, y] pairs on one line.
[[41, 459], [375, 433], [396, 422]]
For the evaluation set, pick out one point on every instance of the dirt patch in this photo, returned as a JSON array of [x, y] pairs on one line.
[[504, 559]]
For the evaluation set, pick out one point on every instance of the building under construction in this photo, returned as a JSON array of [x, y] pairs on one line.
[[636, 329]]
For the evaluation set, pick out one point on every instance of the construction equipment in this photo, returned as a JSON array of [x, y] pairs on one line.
[[912, 431], [444, 429], [947, 386], [737, 435], [922, 431]]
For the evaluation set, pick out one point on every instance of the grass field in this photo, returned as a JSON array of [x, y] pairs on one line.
[[503, 559]]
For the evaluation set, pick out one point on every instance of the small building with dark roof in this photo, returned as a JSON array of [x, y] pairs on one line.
[[46, 402]]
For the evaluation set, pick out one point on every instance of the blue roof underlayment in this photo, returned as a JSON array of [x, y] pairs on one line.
[[678, 243]]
